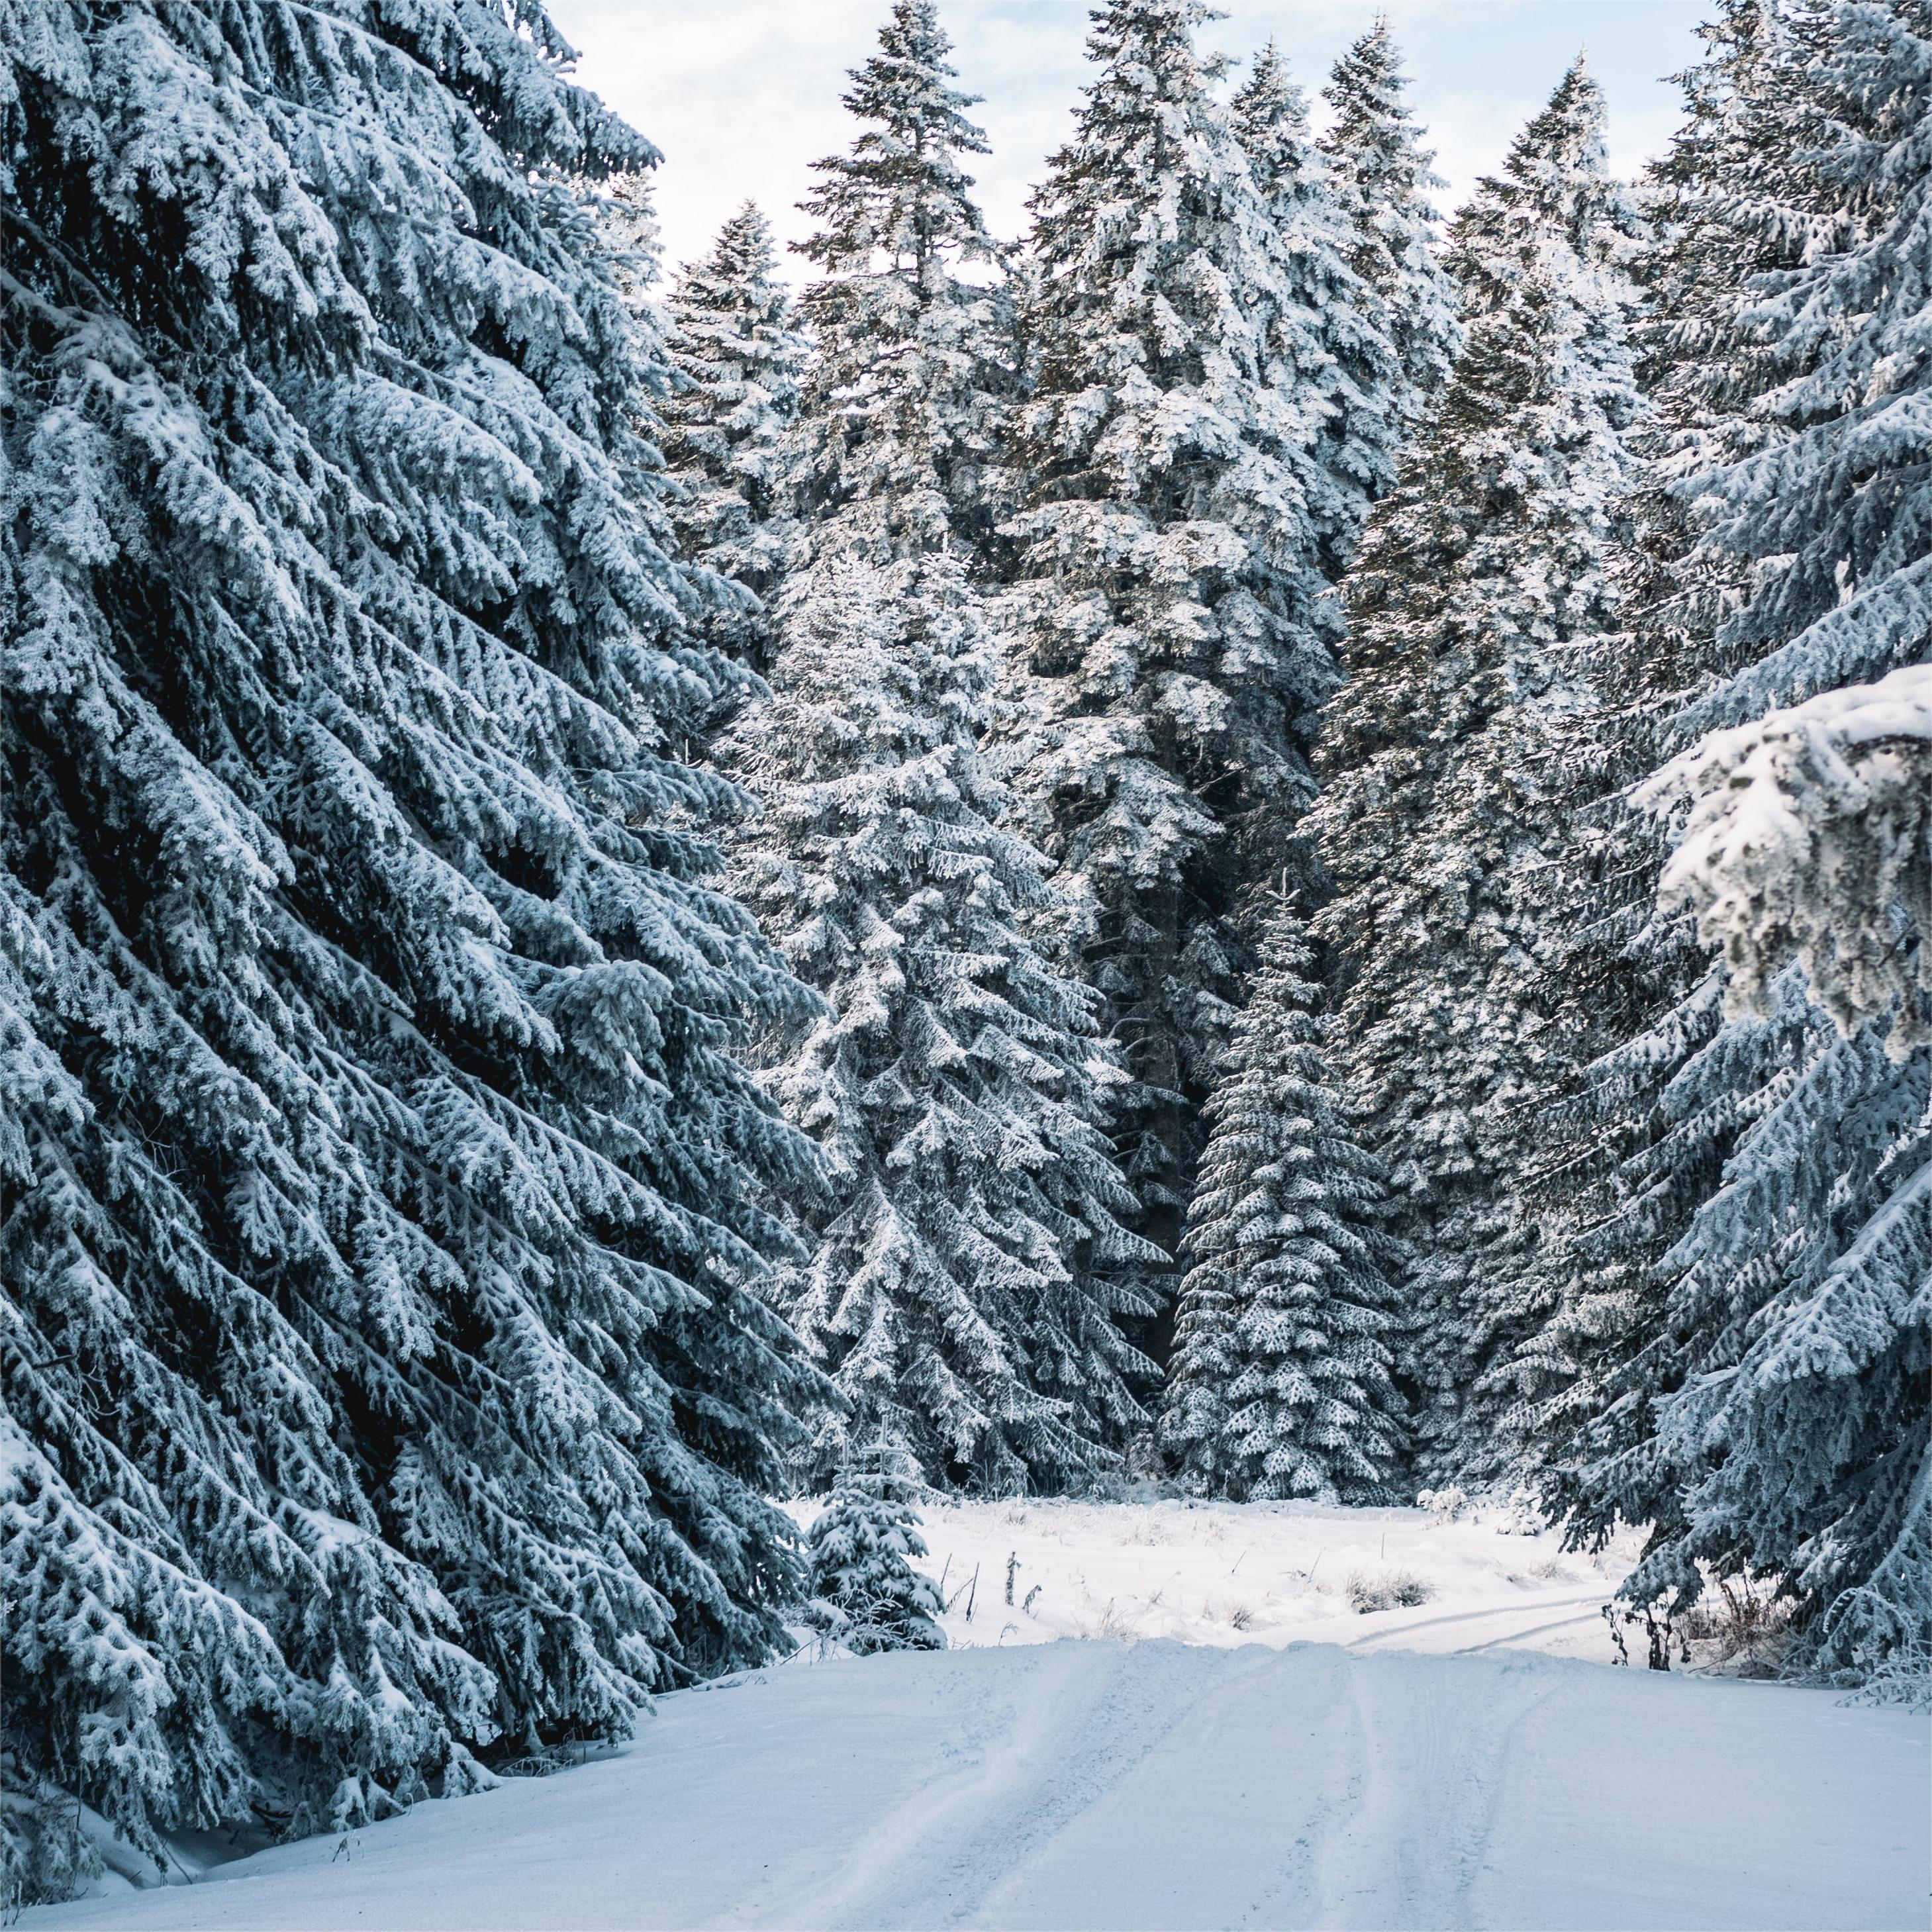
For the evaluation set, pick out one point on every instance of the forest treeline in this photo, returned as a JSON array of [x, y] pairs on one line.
[[1261, 841]]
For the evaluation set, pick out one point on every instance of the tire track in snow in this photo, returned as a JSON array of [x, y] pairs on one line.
[[1100, 1709], [1434, 1763], [1145, 1695], [1518, 1636], [1390, 1637], [871, 1872], [1294, 1895], [1269, 1757]]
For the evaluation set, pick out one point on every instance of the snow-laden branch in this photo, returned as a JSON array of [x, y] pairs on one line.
[[1809, 834]]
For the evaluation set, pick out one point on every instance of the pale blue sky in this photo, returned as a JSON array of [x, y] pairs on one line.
[[743, 94]]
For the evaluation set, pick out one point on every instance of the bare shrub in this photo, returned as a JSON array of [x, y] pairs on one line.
[[1738, 1627], [1393, 1590], [1111, 1627]]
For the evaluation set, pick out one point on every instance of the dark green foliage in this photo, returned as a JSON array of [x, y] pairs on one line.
[[383, 1369]]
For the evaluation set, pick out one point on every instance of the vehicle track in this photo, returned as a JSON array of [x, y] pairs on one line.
[[1522, 1636], [1389, 1637], [1434, 1763], [1378, 1775], [1097, 1711]]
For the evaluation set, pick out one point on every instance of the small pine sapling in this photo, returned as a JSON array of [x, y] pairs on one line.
[[868, 1596]]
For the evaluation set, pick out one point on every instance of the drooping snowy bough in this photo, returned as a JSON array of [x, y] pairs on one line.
[[1810, 835]]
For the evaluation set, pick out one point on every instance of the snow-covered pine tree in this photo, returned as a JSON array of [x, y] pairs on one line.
[[732, 341], [962, 1293], [862, 1544], [1381, 177], [382, 1371], [897, 448], [1172, 632], [1279, 1384], [1481, 595], [1766, 1405], [1332, 337], [1626, 1163]]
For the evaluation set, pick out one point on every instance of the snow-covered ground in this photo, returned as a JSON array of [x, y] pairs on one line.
[[1229, 1573], [1237, 1777], [1157, 1785]]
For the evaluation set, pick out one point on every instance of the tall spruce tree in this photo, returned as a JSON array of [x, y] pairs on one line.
[[382, 1371], [1332, 334], [732, 341], [962, 1293], [896, 453], [1280, 1384], [958, 1292], [1761, 1397], [1171, 629], [1624, 1166], [1380, 177], [1481, 598]]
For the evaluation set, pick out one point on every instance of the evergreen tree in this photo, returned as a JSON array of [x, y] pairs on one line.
[[1624, 1165], [895, 452], [1481, 597], [1280, 1384], [732, 341], [1380, 179], [1172, 631], [1332, 331], [382, 1371], [862, 1544], [1764, 1403], [959, 1291]]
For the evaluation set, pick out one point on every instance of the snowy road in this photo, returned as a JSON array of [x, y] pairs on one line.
[[1156, 1785]]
